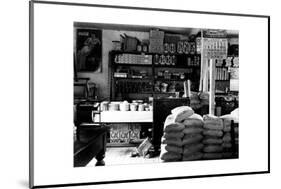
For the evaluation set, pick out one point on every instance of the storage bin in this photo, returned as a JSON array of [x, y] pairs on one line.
[[130, 43]]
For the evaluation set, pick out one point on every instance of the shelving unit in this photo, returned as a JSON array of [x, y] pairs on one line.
[[127, 88]]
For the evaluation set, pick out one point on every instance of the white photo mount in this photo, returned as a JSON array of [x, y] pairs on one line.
[[51, 90]]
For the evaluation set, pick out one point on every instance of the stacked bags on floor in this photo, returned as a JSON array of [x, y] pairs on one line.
[[172, 139], [213, 137], [192, 139], [227, 138], [227, 145]]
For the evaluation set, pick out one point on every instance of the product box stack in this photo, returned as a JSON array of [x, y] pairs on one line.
[[213, 137], [124, 133], [192, 139], [156, 40]]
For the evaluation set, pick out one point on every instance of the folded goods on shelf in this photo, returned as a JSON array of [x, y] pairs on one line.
[[192, 138], [211, 132], [194, 156], [212, 155], [212, 148], [212, 140], [170, 125]]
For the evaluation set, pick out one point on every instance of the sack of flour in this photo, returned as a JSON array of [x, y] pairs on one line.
[[171, 126], [181, 113]]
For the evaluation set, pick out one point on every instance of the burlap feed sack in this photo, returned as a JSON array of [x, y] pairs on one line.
[[227, 154], [226, 145], [192, 130], [181, 113], [226, 137], [210, 118], [191, 139], [172, 141], [212, 148], [170, 125], [212, 155], [213, 125], [226, 128], [177, 135], [171, 148], [192, 148], [212, 140], [214, 133], [170, 156], [193, 123], [195, 156], [226, 125]]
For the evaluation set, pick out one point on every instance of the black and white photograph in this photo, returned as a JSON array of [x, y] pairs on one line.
[[136, 94], [166, 94]]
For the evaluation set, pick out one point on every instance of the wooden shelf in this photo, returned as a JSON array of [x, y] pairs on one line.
[[163, 79], [142, 65], [129, 78], [152, 69], [154, 53], [168, 93], [176, 66]]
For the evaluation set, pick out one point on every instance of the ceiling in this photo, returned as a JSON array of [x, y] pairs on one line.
[[142, 28]]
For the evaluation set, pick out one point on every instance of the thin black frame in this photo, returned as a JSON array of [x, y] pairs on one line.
[[31, 92]]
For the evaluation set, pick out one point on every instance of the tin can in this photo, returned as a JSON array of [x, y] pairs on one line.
[[180, 47], [172, 48], [144, 48], [166, 47], [139, 48]]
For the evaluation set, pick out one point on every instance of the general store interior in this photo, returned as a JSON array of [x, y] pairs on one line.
[[126, 89]]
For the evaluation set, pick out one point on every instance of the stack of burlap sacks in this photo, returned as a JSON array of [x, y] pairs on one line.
[[182, 136], [187, 136], [217, 138]]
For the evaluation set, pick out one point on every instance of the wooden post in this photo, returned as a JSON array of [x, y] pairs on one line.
[[212, 87]]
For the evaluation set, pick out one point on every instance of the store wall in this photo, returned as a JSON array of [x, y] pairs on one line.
[[102, 79]]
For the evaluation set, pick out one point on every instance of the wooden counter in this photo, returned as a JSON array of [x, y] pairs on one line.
[[125, 117]]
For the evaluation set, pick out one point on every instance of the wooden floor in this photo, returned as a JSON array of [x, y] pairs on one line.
[[122, 156]]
